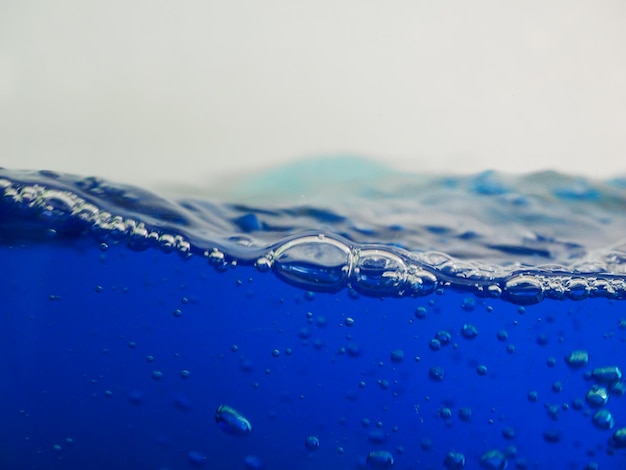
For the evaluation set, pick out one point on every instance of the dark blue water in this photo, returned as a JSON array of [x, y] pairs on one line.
[[391, 322]]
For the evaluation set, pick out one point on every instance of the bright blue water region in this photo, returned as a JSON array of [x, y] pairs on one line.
[[416, 323]]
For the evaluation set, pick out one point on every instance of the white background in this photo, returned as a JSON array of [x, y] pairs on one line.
[[149, 91]]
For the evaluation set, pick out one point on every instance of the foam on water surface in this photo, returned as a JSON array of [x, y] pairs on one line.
[[523, 239]]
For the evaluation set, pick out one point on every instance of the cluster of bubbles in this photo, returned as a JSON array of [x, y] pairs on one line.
[[325, 263], [311, 260], [64, 212]]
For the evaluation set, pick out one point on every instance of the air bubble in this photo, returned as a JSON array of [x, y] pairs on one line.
[[314, 263], [231, 421], [577, 289], [603, 419], [312, 443], [607, 375], [523, 290], [597, 396], [379, 459], [263, 264], [454, 460], [493, 460], [379, 273], [618, 440], [577, 359]]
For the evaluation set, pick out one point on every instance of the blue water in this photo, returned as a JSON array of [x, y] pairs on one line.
[[385, 321]]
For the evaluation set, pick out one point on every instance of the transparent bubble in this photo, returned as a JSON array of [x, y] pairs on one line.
[[603, 419], [231, 421], [314, 262], [379, 273], [380, 459], [607, 375], [454, 460], [523, 290], [493, 460], [577, 359], [312, 443]]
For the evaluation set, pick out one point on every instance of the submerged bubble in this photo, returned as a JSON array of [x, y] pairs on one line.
[[379, 459], [607, 375], [577, 359], [312, 443], [603, 419], [597, 396], [618, 440], [493, 460], [454, 460], [231, 421], [397, 356]]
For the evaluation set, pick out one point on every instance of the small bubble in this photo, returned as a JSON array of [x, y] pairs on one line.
[[469, 304], [312, 443], [157, 374], [552, 436], [493, 460], [275, 353], [603, 419], [444, 337], [263, 264], [597, 396], [607, 375], [177, 312], [379, 459], [454, 460], [185, 374], [465, 414], [426, 444], [436, 373], [420, 312], [618, 440], [481, 370], [469, 331], [508, 433], [577, 359], [349, 321], [434, 344], [397, 356]]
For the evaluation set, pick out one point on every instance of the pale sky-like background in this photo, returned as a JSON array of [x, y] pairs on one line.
[[149, 91]]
